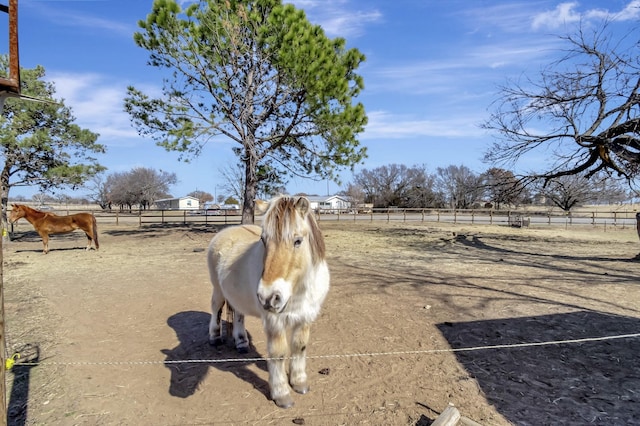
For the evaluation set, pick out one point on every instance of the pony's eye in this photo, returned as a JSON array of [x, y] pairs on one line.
[[297, 241]]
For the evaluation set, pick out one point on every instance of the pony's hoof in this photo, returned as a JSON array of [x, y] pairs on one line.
[[216, 341], [301, 389], [284, 402]]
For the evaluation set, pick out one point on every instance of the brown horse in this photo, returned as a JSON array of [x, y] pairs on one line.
[[48, 223]]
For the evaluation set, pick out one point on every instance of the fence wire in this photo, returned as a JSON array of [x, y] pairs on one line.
[[16, 356]]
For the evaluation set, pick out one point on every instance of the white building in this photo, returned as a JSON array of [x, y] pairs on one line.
[[182, 203], [329, 203]]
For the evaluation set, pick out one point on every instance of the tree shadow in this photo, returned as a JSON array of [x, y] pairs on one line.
[[588, 382], [191, 328], [158, 230]]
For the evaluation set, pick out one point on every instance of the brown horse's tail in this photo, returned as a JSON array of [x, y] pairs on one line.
[[95, 231]]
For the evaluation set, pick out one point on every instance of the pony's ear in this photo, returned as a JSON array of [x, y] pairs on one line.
[[261, 207], [302, 205]]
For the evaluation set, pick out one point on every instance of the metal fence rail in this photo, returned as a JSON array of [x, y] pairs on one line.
[[515, 217]]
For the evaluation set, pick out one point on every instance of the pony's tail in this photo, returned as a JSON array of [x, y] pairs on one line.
[[95, 231]]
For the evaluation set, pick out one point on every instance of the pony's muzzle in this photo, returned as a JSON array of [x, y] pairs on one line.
[[272, 301]]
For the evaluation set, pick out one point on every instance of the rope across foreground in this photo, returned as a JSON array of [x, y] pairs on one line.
[[15, 357]]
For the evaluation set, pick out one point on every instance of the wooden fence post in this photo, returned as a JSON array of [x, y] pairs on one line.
[[3, 384]]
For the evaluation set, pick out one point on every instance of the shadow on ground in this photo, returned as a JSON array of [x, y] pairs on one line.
[[191, 328], [18, 399], [152, 231], [578, 383]]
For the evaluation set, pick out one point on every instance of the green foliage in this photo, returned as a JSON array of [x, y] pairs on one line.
[[231, 201], [39, 143], [256, 72]]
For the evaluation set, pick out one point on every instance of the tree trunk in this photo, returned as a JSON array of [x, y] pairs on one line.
[[250, 187], [4, 199]]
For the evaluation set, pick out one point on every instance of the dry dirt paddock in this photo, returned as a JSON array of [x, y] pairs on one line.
[[512, 326]]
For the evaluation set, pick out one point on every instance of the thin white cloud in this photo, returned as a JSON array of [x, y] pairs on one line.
[[67, 17], [338, 18], [509, 17], [563, 14], [630, 12], [470, 68], [97, 103], [384, 125], [569, 13]]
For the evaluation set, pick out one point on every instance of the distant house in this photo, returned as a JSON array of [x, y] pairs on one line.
[[182, 203], [330, 203]]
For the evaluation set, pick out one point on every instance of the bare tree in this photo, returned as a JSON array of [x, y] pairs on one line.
[[459, 185], [568, 191], [202, 196], [582, 111], [150, 185], [396, 185], [233, 175], [140, 186], [355, 194], [41, 198], [270, 183], [502, 187], [98, 191]]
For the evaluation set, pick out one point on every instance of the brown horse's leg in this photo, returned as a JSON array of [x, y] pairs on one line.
[[95, 232], [277, 349], [297, 367], [45, 242]]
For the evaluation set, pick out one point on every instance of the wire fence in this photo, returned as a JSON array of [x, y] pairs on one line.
[[16, 357], [514, 217]]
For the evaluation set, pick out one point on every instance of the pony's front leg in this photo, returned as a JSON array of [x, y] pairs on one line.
[[217, 304], [297, 368], [277, 348], [240, 333]]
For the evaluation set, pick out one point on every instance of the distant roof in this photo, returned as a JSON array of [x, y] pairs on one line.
[[318, 198], [177, 198]]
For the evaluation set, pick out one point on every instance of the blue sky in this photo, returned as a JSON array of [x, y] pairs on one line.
[[432, 71]]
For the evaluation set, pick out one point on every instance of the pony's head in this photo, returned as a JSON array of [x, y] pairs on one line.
[[17, 212], [293, 246]]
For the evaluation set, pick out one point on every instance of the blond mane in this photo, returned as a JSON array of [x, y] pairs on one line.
[[285, 218]]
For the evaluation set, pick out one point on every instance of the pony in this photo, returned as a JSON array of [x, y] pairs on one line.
[[278, 273], [46, 223]]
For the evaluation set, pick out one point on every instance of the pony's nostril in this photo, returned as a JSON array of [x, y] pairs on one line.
[[275, 300]]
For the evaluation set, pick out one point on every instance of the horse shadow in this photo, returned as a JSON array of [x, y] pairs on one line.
[[191, 328], [34, 237]]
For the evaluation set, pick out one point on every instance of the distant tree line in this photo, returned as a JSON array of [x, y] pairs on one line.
[[140, 187], [458, 187]]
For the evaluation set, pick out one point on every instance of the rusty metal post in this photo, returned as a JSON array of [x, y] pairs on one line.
[[7, 86]]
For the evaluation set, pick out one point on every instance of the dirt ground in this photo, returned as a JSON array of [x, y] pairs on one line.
[[512, 326]]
